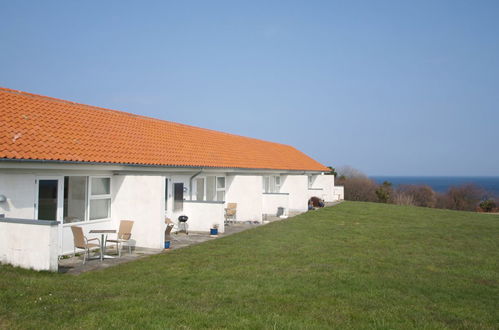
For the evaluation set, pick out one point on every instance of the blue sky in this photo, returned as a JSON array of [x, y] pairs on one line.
[[388, 87]]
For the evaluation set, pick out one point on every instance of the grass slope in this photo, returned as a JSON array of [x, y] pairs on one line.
[[356, 265]]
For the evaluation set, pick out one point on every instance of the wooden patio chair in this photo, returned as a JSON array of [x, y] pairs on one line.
[[123, 236], [230, 212], [81, 242], [168, 232]]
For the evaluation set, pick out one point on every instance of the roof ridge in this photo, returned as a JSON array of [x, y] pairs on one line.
[[49, 98]]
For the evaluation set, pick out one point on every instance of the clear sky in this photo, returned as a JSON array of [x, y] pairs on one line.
[[388, 87]]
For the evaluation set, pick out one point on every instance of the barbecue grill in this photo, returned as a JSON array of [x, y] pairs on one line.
[[182, 225]]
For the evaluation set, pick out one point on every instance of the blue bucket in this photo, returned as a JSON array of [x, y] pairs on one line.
[[167, 244], [214, 231]]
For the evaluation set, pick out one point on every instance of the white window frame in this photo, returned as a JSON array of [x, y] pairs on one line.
[[217, 189], [273, 187], [311, 180], [98, 197], [276, 185]]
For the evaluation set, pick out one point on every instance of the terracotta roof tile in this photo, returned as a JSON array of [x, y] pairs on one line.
[[43, 128]]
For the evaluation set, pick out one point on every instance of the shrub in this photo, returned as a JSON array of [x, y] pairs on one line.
[[488, 205], [402, 198], [423, 195], [464, 198], [359, 189], [384, 192]]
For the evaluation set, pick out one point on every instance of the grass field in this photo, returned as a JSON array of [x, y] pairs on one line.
[[355, 265]]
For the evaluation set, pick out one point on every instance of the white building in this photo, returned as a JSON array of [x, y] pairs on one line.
[[92, 167]]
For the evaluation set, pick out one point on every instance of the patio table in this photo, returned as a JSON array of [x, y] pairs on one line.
[[103, 233]]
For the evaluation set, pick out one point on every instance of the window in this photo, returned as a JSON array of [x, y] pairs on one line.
[[271, 184], [178, 197], [75, 198], [311, 179], [100, 198], [211, 188], [200, 189], [277, 183], [220, 188], [86, 198]]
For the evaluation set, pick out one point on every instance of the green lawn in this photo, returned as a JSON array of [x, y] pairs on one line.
[[355, 265]]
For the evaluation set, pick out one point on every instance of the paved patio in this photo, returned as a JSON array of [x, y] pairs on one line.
[[74, 265]]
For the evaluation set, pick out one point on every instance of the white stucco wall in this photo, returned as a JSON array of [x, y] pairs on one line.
[[31, 245], [20, 192], [273, 201], [246, 191], [339, 193], [140, 198], [326, 183], [297, 187], [203, 215]]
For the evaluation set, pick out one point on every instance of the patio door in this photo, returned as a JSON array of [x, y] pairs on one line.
[[49, 198], [49, 202]]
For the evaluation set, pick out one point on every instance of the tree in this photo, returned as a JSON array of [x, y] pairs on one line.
[[422, 195], [359, 189], [488, 205], [384, 192], [464, 198], [332, 172]]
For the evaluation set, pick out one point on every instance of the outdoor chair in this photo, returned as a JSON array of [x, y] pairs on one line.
[[124, 235], [230, 212], [168, 231], [81, 242]]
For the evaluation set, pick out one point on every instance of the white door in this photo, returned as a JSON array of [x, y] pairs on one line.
[[168, 198]]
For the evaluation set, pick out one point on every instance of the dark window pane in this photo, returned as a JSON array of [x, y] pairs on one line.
[[178, 197], [47, 199]]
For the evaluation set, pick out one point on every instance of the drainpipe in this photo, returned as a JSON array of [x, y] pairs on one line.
[[190, 183]]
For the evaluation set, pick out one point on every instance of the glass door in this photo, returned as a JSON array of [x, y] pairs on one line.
[[49, 199], [178, 197]]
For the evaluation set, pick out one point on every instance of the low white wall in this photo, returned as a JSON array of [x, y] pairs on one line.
[[272, 201], [203, 215], [326, 183], [29, 244], [20, 192], [246, 191], [339, 193], [140, 198]]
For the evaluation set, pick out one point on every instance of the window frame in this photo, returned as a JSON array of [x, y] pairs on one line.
[[216, 189], [98, 197], [273, 187]]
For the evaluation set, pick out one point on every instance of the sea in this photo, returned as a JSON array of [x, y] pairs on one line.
[[442, 183]]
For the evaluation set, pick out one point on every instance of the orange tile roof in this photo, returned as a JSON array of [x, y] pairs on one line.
[[42, 128]]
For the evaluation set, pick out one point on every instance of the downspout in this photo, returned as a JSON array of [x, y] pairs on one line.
[[190, 183]]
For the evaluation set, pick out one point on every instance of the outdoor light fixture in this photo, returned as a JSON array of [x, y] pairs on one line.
[[3, 198]]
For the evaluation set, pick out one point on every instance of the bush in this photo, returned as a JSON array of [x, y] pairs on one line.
[[384, 192], [402, 198], [422, 195], [463, 198], [359, 189], [488, 205]]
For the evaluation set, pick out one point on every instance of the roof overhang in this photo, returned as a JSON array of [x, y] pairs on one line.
[[37, 164]]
